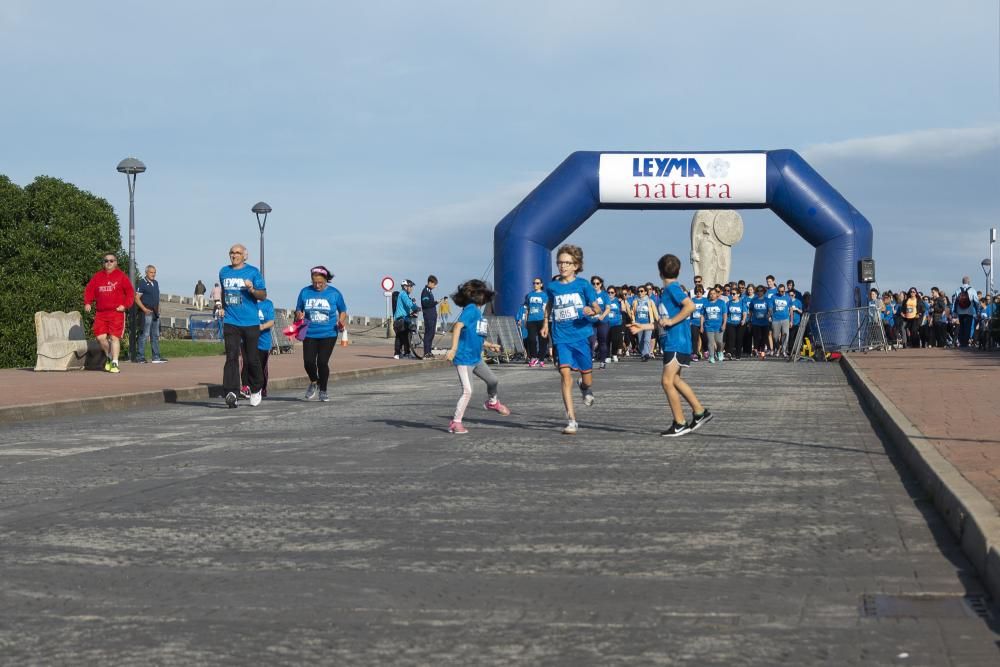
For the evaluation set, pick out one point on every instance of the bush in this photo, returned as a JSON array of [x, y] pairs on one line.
[[52, 236]]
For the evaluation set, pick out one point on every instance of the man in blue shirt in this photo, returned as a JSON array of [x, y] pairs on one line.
[[147, 299], [242, 288], [404, 319], [781, 311], [428, 304]]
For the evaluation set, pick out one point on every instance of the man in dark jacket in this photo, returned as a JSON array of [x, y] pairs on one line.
[[428, 304]]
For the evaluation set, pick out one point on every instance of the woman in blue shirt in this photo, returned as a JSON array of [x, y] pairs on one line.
[[617, 328], [323, 306], [760, 321], [602, 328], [735, 319], [644, 310], [468, 338], [698, 340]]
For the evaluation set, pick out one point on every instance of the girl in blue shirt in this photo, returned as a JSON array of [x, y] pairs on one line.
[[323, 306], [644, 310], [468, 338], [616, 334], [538, 346], [698, 340]]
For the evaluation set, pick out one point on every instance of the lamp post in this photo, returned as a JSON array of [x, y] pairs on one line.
[[261, 209], [131, 167], [993, 239], [987, 265]]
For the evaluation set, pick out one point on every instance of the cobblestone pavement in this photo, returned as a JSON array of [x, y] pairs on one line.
[[360, 532]]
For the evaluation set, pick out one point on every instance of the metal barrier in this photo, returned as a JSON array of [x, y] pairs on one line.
[[861, 327], [504, 332], [280, 343], [204, 327]]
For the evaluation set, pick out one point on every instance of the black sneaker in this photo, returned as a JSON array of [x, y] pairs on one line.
[[675, 430], [140, 361], [698, 420], [231, 399]]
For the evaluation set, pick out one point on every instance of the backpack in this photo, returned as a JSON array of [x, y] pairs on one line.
[[395, 298], [963, 300]]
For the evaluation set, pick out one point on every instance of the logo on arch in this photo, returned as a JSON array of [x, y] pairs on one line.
[[683, 178]]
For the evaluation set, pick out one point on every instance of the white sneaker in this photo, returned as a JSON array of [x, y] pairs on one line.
[[312, 391], [395, 356], [324, 397], [615, 358], [255, 398], [607, 360], [570, 429]]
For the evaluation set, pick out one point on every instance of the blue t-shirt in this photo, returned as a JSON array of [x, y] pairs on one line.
[[713, 313], [265, 312], [771, 291], [644, 310], [889, 314], [536, 305], [615, 318], [568, 301], [149, 293], [521, 317], [602, 301], [678, 337], [699, 306], [735, 312], [781, 305], [321, 309], [240, 304], [796, 314], [471, 337], [758, 310]]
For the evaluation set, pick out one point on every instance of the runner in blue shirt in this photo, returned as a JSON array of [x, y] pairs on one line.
[[760, 321], [781, 311], [323, 306], [602, 328], [615, 321], [571, 301], [699, 341], [735, 320], [242, 288], [265, 312], [644, 310], [538, 345], [468, 338], [713, 323], [797, 310], [673, 312]]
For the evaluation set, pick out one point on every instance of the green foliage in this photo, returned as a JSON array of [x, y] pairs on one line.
[[52, 237]]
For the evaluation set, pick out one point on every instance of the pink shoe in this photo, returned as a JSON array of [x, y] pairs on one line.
[[541, 364], [456, 427], [532, 363], [497, 406]]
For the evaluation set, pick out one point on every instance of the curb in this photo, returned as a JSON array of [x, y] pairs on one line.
[[971, 518], [103, 404]]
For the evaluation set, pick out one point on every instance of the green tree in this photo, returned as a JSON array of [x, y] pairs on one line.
[[52, 236]]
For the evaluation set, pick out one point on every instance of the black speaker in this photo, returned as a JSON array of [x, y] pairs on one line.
[[866, 271]]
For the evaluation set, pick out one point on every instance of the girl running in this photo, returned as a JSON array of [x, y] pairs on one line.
[[468, 338]]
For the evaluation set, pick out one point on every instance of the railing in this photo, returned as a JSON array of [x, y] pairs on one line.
[[860, 329]]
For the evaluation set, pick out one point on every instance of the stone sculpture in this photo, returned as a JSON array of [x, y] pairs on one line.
[[713, 235]]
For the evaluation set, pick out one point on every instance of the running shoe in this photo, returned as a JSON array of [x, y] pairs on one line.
[[711, 359], [245, 391], [324, 397], [395, 356], [312, 391], [140, 361], [498, 407], [615, 358], [698, 420], [675, 430], [532, 363], [114, 368], [161, 360], [588, 394], [107, 366], [721, 356], [541, 364], [571, 427], [255, 398], [456, 427], [231, 399], [603, 365]]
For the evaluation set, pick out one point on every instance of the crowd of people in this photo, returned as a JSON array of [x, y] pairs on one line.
[[967, 318]]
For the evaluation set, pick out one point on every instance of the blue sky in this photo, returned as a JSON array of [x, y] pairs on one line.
[[390, 137]]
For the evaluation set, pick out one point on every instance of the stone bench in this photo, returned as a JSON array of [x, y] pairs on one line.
[[61, 343]]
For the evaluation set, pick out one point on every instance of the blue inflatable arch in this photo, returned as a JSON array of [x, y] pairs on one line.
[[524, 240]]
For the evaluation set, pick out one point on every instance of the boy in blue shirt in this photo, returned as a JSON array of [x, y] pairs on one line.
[[265, 312], [571, 302], [674, 309]]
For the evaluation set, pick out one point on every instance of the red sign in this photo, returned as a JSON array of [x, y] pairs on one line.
[[388, 283]]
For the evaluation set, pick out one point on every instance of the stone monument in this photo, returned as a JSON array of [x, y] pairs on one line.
[[713, 235]]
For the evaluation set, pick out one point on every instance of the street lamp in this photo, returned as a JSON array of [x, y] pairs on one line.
[[131, 167], [261, 209], [987, 265]]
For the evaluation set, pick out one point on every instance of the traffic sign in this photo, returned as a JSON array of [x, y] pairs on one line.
[[388, 283]]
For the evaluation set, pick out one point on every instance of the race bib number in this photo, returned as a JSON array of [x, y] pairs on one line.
[[564, 314], [233, 298], [319, 317], [482, 327]]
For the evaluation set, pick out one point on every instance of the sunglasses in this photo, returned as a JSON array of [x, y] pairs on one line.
[[537, 282], [110, 261]]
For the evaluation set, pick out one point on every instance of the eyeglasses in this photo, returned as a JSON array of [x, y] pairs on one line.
[[642, 291], [565, 263], [110, 261], [537, 282], [595, 282]]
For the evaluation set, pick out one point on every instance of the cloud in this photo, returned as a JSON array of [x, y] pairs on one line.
[[943, 143]]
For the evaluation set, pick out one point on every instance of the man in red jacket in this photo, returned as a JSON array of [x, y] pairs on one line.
[[113, 292]]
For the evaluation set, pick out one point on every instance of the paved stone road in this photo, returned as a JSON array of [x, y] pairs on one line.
[[359, 532]]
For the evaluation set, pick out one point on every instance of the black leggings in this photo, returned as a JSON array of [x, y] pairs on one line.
[[617, 336], [537, 347], [760, 332], [603, 331], [316, 354], [734, 340]]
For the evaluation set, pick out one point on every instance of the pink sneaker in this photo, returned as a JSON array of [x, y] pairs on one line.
[[541, 364], [456, 427], [497, 406], [533, 362]]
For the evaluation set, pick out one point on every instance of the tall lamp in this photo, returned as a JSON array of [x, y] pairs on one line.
[[131, 167], [261, 209]]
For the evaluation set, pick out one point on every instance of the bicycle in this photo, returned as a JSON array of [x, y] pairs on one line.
[[415, 339]]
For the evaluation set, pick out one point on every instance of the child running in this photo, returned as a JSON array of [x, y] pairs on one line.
[[571, 301], [674, 309], [468, 338]]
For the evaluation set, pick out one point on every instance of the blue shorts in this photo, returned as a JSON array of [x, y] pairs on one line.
[[683, 360], [575, 355]]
